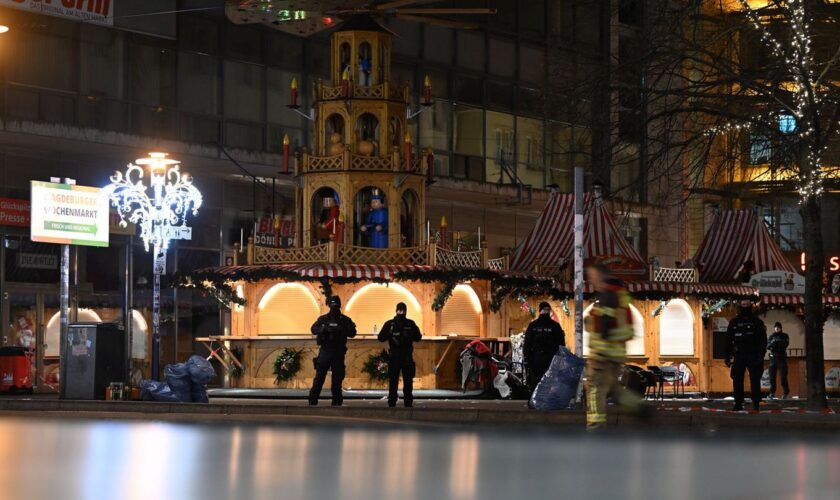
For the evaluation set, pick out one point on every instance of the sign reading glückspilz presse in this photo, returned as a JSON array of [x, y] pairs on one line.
[[69, 214]]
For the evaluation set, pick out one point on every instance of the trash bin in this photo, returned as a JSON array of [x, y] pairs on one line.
[[15, 370], [92, 356]]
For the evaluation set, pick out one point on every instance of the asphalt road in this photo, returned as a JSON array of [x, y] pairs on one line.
[[71, 459]]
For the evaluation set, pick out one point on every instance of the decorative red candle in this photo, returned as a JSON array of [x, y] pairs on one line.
[[443, 232], [286, 154], [427, 91], [407, 152], [294, 93], [345, 83]]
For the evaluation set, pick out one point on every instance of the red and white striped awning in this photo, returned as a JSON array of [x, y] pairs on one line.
[[353, 271], [794, 299], [672, 288], [552, 239], [735, 237]]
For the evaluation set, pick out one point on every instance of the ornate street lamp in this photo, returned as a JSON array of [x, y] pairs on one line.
[[161, 215]]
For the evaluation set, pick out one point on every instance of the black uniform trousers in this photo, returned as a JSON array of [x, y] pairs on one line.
[[739, 366], [328, 361], [778, 363], [397, 365], [537, 368]]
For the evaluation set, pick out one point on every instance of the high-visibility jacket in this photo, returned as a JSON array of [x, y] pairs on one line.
[[610, 324]]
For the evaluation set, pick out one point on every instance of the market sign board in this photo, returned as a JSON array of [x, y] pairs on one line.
[[778, 282], [69, 214], [99, 12]]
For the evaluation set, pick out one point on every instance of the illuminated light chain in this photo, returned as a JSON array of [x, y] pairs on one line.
[[800, 60]]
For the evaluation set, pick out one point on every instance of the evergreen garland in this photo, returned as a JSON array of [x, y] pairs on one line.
[[287, 364], [376, 366]]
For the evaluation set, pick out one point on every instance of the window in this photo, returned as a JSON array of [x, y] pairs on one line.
[[635, 346], [470, 50], [287, 308], [438, 44], [244, 91], [787, 124], [503, 61], [462, 313], [761, 149], [102, 57], [531, 63], [45, 58], [151, 77], [198, 83]]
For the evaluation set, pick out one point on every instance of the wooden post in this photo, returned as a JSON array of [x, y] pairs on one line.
[[332, 251], [537, 265], [250, 256], [236, 251], [395, 159], [346, 159], [507, 262], [432, 254], [485, 256]]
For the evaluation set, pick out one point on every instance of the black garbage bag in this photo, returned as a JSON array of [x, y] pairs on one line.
[[152, 390], [178, 377], [559, 385]]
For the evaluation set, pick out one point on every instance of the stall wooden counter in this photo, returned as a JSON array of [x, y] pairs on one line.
[[435, 356]]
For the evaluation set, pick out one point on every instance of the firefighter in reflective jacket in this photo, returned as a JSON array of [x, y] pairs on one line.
[[401, 333], [542, 339], [747, 337], [331, 332], [610, 326]]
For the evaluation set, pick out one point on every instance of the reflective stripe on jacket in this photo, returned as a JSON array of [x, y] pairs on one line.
[[610, 324]]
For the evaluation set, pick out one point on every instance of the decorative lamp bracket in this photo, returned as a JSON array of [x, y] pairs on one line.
[[411, 114], [310, 116]]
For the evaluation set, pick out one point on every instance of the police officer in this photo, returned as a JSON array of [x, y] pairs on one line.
[[777, 346], [542, 339], [401, 333], [331, 331], [747, 340]]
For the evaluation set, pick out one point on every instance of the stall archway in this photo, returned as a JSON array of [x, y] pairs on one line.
[[344, 59], [335, 137], [326, 220], [409, 219], [52, 334], [462, 313], [365, 65], [831, 337], [635, 346], [367, 135], [362, 209], [287, 309], [676, 329], [375, 303]]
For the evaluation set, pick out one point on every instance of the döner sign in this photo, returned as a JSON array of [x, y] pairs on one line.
[[90, 11]]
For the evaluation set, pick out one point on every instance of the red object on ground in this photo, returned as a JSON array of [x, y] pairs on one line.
[[15, 369]]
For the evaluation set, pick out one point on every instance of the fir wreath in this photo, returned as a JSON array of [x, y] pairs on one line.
[[287, 364], [376, 366]]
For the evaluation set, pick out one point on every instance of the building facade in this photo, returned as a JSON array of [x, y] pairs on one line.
[[80, 100]]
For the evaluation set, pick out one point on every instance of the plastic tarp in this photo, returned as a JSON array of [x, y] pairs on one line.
[[152, 390], [559, 385]]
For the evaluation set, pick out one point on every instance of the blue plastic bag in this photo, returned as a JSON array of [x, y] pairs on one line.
[[178, 377], [152, 390], [559, 385], [201, 371]]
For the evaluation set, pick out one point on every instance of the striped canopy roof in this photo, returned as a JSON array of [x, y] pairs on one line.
[[737, 237], [552, 239]]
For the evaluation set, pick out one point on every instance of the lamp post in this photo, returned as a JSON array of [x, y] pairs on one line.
[[161, 215]]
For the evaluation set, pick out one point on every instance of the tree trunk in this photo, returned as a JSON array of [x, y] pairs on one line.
[[814, 312]]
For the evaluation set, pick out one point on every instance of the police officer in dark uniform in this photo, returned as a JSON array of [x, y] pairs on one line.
[[777, 346], [331, 331], [401, 333], [543, 338], [747, 341]]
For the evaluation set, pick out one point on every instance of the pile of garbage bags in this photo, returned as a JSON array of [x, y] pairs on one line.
[[559, 385], [185, 383]]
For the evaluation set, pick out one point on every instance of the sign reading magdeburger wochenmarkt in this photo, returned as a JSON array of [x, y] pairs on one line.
[[69, 214], [90, 11]]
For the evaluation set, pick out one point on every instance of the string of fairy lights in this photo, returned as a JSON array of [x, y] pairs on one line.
[[805, 89]]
